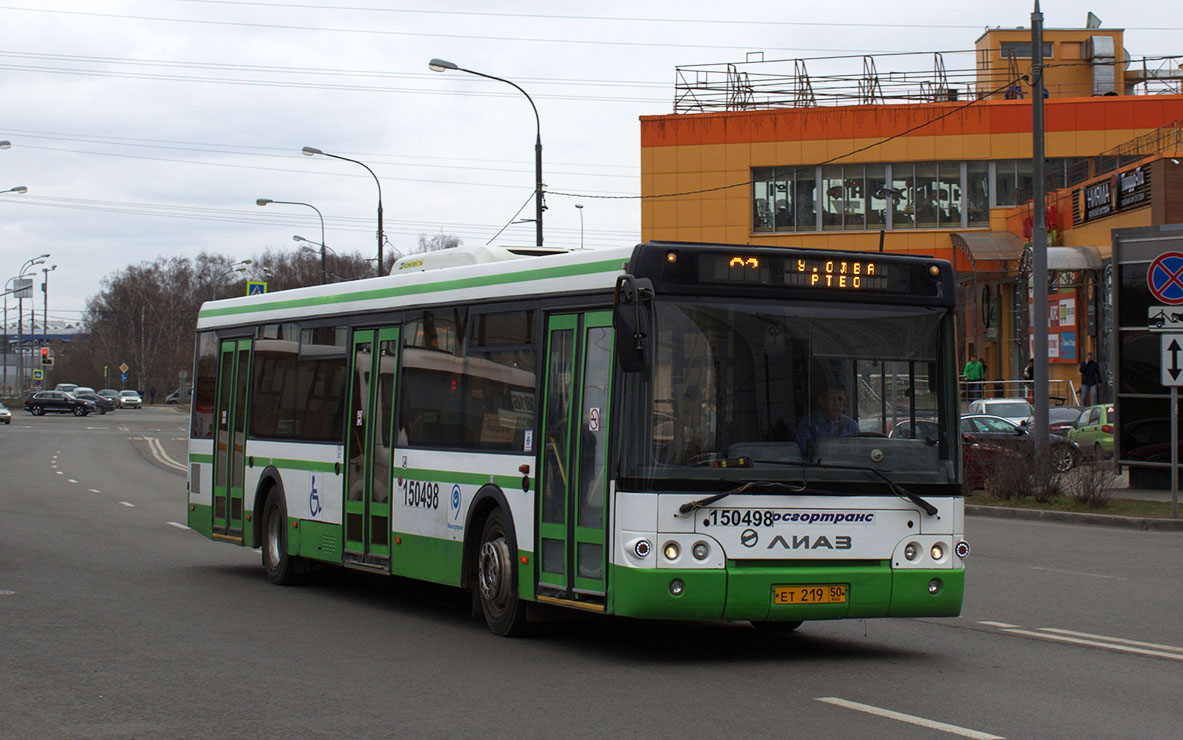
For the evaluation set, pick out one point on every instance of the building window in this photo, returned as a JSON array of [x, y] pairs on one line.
[[977, 187], [1022, 49], [903, 207], [876, 180]]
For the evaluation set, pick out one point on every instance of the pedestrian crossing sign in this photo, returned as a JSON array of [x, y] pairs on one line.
[[256, 287]]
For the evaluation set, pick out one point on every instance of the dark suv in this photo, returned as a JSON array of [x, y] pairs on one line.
[[102, 403], [58, 402]]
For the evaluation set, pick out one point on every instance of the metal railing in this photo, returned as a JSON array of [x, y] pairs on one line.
[[1060, 392]]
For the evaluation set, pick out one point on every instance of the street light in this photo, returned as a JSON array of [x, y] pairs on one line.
[[443, 65], [236, 267], [580, 207], [18, 189], [45, 303], [323, 270], [20, 322], [310, 151]]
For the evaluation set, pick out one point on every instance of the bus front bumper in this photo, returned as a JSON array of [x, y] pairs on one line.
[[746, 592]]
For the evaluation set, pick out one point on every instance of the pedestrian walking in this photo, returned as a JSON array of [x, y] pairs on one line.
[[1029, 375], [1090, 380]]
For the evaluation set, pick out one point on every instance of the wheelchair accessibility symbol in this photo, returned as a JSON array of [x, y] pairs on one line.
[[314, 507]]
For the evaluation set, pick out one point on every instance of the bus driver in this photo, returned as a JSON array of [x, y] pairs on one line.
[[828, 419]]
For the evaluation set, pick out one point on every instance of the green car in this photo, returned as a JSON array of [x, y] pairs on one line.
[[1093, 430]]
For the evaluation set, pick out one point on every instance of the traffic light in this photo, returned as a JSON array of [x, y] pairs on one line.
[[45, 358]]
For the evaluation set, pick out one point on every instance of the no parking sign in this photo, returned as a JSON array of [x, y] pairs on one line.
[[1165, 277]]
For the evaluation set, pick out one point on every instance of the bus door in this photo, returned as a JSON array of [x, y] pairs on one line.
[[369, 446], [573, 479], [234, 365]]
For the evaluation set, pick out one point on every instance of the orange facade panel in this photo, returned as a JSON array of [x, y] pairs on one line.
[[918, 120]]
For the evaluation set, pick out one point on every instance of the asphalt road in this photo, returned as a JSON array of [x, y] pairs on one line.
[[116, 622]]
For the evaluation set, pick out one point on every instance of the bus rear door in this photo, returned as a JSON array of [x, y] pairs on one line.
[[573, 487]]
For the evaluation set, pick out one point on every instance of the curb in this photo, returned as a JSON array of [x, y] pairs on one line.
[[1071, 517]]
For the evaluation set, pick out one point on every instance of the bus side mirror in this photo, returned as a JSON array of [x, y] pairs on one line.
[[632, 319]]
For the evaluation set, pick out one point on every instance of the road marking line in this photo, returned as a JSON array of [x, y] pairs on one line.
[[128, 505], [58, 472], [997, 624], [1079, 573], [1121, 640], [178, 525], [909, 718], [162, 457], [95, 490], [71, 480], [1096, 644]]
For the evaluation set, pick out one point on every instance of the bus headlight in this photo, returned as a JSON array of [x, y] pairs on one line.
[[672, 551], [912, 551], [642, 548], [701, 550], [937, 552], [934, 586], [677, 587]]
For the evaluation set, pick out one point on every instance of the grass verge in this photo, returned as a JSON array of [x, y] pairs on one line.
[[1115, 507]]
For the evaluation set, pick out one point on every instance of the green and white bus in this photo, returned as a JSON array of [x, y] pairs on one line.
[[639, 432]]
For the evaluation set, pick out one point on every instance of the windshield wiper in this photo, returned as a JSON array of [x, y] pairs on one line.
[[896, 488], [767, 486]]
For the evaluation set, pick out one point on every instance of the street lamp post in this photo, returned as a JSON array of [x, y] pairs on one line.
[[580, 207], [45, 304], [323, 267], [20, 322], [443, 65], [236, 267], [311, 151]]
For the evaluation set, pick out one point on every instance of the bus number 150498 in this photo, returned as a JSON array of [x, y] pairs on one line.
[[422, 495]]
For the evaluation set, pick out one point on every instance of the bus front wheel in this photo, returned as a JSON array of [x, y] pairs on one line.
[[282, 568], [504, 612]]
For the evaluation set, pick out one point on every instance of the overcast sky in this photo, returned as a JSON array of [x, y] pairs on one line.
[[149, 128]]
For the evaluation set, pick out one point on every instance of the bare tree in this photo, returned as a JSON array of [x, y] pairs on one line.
[[146, 314], [438, 242]]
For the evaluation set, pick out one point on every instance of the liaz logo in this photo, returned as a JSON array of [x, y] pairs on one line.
[[806, 542]]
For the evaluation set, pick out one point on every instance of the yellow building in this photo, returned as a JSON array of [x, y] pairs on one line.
[[949, 178]]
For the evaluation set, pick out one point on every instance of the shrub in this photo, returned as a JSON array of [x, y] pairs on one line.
[[1091, 483]]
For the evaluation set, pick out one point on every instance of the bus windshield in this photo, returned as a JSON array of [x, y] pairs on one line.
[[796, 392]]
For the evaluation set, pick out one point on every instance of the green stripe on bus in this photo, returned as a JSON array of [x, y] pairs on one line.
[[407, 290], [279, 462], [194, 457], [452, 476]]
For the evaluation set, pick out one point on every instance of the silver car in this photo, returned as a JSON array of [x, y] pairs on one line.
[[5, 414], [130, 399]]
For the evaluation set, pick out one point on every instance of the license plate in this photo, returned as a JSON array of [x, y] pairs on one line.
[[828, 594]]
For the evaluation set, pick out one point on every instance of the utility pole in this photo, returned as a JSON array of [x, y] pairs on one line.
[[1039, 238]]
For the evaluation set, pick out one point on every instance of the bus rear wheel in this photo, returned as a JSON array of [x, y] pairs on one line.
[[504, 612], [282, 569]]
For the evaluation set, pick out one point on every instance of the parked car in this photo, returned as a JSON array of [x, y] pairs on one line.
[[1015, 410], [5, 414], [996, 431], [175, 396], [1062, 419], [101, 403], [1093, 430], [130, 399], [65, 387], [57, 402], [978, 456], [81, 389], [112, 394]]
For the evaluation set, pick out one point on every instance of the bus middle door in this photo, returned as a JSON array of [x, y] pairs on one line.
[[369, 445], [573, 487]]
